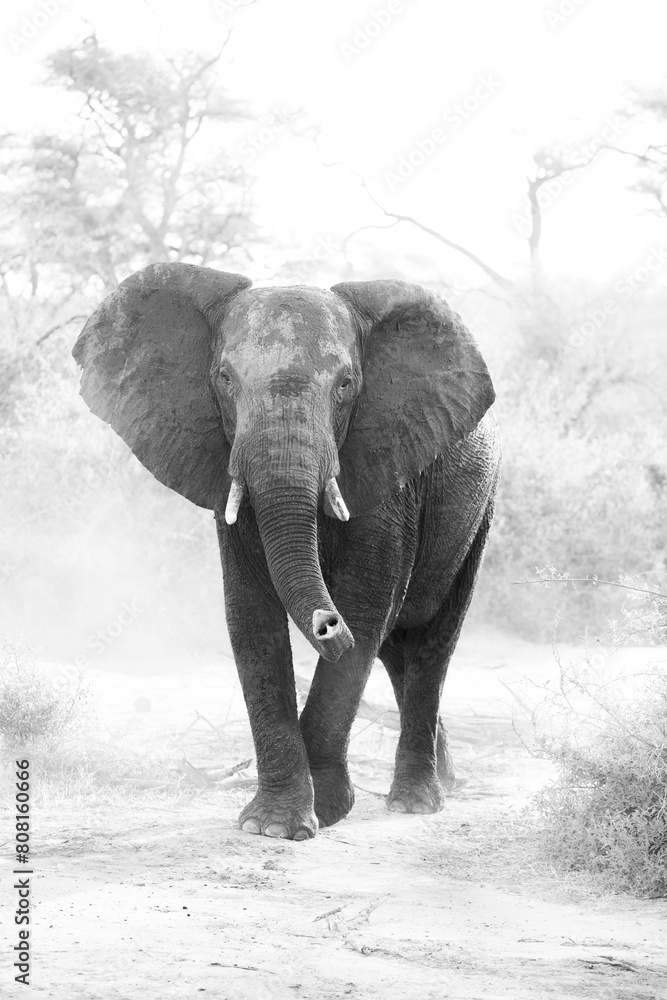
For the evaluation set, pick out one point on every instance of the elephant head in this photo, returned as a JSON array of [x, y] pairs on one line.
[[283, 398]]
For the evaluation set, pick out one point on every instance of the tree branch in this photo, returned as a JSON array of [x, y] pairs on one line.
[[60, 326], [594, 580], [491, 272], [546, 171]]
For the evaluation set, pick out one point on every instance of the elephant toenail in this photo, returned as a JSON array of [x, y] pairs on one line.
[[276, 830], [303, 834], [398, 806], [251, 826]]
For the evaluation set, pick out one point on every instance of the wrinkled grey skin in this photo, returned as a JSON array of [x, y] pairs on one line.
[[374, 386]]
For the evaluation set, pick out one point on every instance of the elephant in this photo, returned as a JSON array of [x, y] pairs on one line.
[[343, 439]]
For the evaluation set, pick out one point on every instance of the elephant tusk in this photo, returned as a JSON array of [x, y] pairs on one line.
[[336, 500], [233, 502]]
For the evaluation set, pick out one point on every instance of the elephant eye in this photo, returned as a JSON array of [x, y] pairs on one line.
[[225, 377], [344, 388]]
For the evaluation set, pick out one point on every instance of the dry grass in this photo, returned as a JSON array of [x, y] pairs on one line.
[[52, 720], [606, 811]]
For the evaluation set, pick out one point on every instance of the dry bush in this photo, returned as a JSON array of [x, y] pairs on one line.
[[606, 812], [36, 711], [589, 497], [51, 720]]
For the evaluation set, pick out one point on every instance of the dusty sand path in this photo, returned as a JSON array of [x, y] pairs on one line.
[[166, 899]]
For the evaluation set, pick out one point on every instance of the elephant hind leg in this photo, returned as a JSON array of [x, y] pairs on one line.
[[392, 657], [416, 660]]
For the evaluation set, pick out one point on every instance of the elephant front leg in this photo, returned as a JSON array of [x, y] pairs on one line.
[[284, 803], [326, 721], [257, 624]]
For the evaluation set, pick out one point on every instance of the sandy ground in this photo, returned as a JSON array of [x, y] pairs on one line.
[[149, 896]]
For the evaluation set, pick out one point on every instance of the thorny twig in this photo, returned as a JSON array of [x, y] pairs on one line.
[[594, 580]]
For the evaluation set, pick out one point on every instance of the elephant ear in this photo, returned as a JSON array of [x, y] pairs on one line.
[[425, 386], [146, 354]]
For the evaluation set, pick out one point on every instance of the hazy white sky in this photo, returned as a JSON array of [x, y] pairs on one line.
[[457, 92]]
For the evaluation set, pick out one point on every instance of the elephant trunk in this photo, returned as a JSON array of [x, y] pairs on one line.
[[287, 520]]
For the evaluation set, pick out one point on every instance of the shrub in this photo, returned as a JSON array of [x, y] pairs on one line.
[[36, 711], [586, 497], [606, 812], [51, 720]]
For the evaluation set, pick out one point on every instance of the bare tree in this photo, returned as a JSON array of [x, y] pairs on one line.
[[650, 107], [144, 175]]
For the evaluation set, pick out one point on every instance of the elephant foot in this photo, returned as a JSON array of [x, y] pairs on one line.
[[334, 795], [409, 796], [275, 816]]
